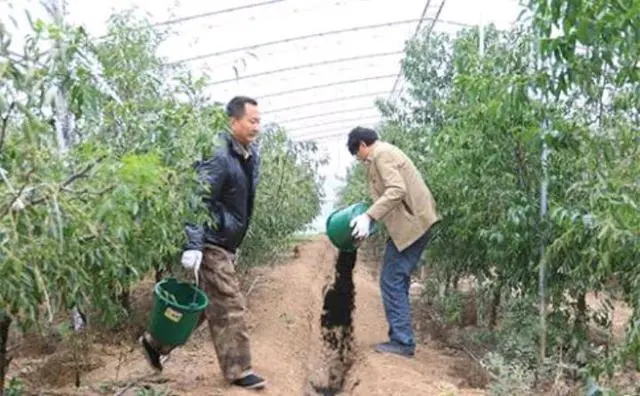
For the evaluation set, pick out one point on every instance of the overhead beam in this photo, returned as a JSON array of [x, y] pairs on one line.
[[320, 102], [343, 111], [328, 133], [219, 12], [415, 34], [308, 65], [334, 136], [353, 119], [175, 21], [332, 84], [306, 37]]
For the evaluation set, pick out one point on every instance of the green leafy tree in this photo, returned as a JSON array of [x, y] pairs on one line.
[[288, 197], [476, 125], [88, 206], [97, 144]]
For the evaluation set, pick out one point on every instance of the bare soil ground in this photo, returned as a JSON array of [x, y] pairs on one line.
[[285, 304]]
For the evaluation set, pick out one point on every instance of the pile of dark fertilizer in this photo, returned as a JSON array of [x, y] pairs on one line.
[[337, 325]]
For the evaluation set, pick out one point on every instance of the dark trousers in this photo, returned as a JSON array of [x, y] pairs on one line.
[[395, 278]]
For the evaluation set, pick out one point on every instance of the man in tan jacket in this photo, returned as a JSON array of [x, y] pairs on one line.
[[403, 203]]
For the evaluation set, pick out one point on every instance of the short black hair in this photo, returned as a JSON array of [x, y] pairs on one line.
[[235, 107], [360, 135]]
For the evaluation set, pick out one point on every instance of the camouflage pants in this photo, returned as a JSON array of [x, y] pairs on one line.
[[225, 313]]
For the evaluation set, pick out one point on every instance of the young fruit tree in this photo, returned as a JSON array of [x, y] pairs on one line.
[[98, 138], [476, 124]]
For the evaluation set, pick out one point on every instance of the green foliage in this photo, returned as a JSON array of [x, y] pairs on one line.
[[97, 146], [149, 391], [14, 387], [288, 197], [512, 378], [475, 124], [594, 36], [355, 189], [99, 206]]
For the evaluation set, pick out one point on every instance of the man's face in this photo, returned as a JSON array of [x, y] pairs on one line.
[[363, 152], [246, 128]]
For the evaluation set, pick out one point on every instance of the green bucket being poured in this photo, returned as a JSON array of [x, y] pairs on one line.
[[339, 226], [177, 307]]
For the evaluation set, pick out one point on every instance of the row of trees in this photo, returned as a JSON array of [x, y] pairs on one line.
[[531, 149], [97, 143]]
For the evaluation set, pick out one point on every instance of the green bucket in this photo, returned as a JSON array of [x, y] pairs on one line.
[[177, 307], [339, 229]]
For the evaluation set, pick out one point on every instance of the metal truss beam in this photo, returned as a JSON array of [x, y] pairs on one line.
[[415, 34], [333, 100], [309, 36], [352, 119], [343, 111], [332, 84], [308, 65]]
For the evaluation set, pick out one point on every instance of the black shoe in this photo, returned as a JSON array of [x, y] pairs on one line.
[[251, 381], [153, 356]]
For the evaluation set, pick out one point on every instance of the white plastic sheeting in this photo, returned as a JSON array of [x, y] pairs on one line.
[[292, 73]]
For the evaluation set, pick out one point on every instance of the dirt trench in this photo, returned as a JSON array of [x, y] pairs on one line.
[[328, 376], [302, 342]]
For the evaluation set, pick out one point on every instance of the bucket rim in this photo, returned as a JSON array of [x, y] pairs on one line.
[[341, 247], [329, 235], [184, 308]]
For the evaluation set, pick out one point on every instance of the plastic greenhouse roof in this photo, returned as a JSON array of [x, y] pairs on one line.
[[315, 66]]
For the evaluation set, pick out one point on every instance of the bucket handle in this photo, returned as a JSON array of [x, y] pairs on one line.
[[196, 270]]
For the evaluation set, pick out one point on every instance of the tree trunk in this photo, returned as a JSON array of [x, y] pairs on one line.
[[495, 305], [581, 316], [580, 333], [5, 323], [456, 280], [125, 299]]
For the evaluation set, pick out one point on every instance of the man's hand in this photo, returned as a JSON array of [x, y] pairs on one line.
[[361, 225], [191, 259]]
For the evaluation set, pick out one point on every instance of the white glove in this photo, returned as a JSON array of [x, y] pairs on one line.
[[191, 259], [361, 226]]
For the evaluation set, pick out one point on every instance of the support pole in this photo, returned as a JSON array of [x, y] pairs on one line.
[[544, 186]]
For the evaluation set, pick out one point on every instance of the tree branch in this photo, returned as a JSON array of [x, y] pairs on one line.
[[18, 194], [86, 191], [5, 124], [83, 172], [75, 176]]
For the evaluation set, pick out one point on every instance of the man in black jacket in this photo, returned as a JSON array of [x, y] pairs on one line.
[[231, 176]]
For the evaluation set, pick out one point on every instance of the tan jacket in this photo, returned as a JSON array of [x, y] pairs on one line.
[[401, 198]]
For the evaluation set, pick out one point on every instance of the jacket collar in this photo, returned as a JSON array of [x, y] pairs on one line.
[[240, 150], [375, 149]]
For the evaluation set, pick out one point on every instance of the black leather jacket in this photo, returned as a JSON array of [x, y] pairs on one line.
[[232, 180]]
